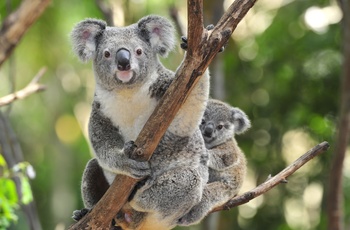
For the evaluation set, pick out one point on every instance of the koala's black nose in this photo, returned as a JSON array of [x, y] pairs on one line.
[[208, 131], [123, 59]]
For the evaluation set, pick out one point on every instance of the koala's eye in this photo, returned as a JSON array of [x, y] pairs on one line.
[[107, 54], [203, 122], [139, 51], [220, 127]]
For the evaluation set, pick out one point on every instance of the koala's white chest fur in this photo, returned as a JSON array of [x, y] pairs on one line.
[[128, 109]]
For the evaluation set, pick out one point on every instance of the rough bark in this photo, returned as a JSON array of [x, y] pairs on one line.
[[202, 48]]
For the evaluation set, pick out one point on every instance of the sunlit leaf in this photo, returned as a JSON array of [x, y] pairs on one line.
[[27, 195]]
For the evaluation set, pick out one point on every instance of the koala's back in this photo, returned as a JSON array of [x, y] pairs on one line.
[[233, 175]]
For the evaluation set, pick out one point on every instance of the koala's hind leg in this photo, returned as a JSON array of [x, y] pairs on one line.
[[214, 194], [93, 187], [172, 194], [94, 183]]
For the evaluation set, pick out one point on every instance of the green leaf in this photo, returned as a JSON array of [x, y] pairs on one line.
[[2, 161], [8, 190], [27, 195]]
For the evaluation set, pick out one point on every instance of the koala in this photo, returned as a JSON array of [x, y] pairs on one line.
[[227, 163], [129, 76]]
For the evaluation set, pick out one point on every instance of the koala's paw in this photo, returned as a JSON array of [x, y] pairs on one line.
[[129, 149], [159, 87], [210, 27], [78, 214], [135, 169], [204, 160], [191, 218], [184, 44]]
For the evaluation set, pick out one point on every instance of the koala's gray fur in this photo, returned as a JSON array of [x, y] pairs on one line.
[[128, 78], [227, 163]]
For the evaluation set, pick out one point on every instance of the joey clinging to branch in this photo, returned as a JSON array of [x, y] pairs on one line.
[[128, 75], [226, 164]]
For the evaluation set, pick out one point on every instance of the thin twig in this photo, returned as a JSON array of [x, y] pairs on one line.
[[273, 181], [32, 87]]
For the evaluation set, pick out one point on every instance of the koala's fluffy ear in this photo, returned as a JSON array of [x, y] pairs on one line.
[[84, 36], [240, 120], [159, 32]]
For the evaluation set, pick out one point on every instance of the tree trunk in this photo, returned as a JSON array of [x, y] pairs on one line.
[[212, 13], [335, 194]]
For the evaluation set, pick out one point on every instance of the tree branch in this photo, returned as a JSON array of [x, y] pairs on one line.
[[13, 154], [106, 11], [16, 24], [273, 181], [31, 88], [201, 51], [174, 14]]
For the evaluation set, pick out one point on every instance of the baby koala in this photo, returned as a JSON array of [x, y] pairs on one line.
[[226, 163]]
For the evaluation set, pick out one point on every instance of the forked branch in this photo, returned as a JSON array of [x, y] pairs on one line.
[[202, 48]]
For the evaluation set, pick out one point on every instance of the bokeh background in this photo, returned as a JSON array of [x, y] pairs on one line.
[[282, 67]]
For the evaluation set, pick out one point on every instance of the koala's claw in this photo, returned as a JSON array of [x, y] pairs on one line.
[[129, 149], [78, 214], [189, 219], [210, 27], [141, 173], [184, 43], [136, 169], [159, 88]]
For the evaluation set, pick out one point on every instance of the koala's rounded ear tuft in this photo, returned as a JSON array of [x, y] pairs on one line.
[[241, 121], [84, 36], [159, 32]]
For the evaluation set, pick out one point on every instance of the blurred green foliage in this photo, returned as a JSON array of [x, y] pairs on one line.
[[281, 69], [9, 201]]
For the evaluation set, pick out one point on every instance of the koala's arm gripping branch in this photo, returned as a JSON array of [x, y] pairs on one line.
[[202, 48]]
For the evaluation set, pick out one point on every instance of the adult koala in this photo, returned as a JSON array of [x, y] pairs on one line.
[[129, 80]]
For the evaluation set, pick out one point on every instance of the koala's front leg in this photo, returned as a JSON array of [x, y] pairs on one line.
[[161, 85], [188, 118], [109, 147], [222, 156]]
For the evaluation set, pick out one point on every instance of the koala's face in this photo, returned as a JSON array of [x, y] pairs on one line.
[[220, 122], [123, 56], [216, 127]]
